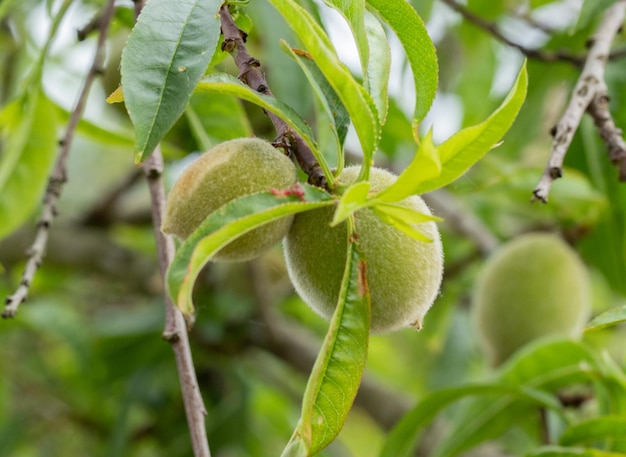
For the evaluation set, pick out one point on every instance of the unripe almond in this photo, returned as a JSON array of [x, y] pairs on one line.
[[533, 286], [230, 170], [403, 274]]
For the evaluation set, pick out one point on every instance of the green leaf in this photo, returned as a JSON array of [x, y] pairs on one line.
[[376, 76], [402, 440], [542, 366], [404, 219], [167, 53], [324, 91], [353, 12], [337, 372], [608, 318], [558, 451], [227, 223], [223, 83], [424, 167], [596, 429], [29, 126], [215, 118], [328, 108], [355, 98], [373, 47], [466, 147], [418, 46], [352, 199]]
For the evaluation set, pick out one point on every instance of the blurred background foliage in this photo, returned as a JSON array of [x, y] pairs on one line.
[[83, 369]]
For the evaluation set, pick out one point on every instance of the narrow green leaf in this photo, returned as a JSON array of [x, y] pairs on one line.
[[408, 215], [328, 107], [399, 224], [223, 83], [355, 98], [337, 372], [227, 223], [425, 166], [352, 199], [549, 364], [418, 46], [373, 47], [596, 429], [324, 91], [378, 69], [353, 12], [402, 440], [558, 451], [608, 318], [214, 118], [167, 53], [29, 126], [466, 147]]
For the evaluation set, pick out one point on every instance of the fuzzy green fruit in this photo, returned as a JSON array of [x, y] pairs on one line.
[[403, 274], [533, 286], [230, 170]]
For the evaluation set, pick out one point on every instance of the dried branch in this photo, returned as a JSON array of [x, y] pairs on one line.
[[609, 132], [175, 331], [250, 74], [531, 53], [58, 177], [589, 88]]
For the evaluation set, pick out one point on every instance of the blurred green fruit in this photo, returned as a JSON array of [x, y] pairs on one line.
[[533, 286], [403, 274], [230, 170]]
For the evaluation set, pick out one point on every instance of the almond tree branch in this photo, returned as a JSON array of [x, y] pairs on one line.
[[58, 177], [250, 74], [175, 331], [589, 88], [609, 132], [531, 53]]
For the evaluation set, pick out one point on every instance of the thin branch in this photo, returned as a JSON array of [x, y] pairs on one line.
[[590, 87], [250, 74], [58, 177], [609, 132], [175, 331], [531, 53]]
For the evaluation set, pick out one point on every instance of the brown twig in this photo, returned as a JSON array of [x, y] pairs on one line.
[[58, 177], [175, 331], [531, 53], [609, 132], [250, 74], [590, 87]]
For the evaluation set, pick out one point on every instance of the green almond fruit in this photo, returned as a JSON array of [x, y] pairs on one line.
[[228, 171], [531, 287], [403, 274]]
